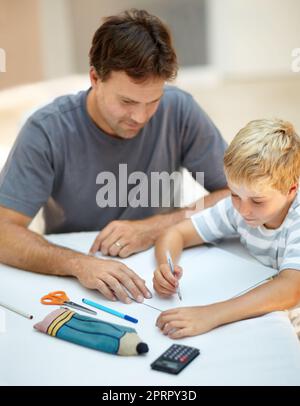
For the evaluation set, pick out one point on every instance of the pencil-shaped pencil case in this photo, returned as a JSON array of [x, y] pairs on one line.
[[294, 315], [91, 332]]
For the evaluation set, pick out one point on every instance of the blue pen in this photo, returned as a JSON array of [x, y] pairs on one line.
[[108, 310]]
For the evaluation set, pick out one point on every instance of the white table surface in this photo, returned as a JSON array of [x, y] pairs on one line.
[[258, 351]]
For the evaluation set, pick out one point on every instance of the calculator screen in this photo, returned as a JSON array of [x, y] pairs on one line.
[[175, 358], [169, 364]]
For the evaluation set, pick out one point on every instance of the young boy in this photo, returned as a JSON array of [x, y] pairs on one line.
[[262, 166]]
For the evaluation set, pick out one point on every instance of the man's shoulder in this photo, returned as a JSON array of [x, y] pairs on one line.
[[58, 108], [174, 94], [180, 102], [54, 121]]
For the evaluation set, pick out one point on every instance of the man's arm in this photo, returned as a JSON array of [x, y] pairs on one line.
[[281, 293], [24, 249], [212, 198], [125, 237]]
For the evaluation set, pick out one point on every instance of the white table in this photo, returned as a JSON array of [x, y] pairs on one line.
[[259, 351]]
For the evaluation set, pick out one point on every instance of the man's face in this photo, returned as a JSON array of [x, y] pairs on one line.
[[261, 206], [121, 106]]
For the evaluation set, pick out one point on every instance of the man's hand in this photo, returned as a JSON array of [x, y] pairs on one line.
[[125, 237], [164, 282], [187, 321], [111, 278]]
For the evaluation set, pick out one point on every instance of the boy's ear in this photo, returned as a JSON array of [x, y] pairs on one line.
[[293, 188]]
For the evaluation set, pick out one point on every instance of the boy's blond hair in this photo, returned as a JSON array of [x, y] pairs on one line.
[[264, 153]]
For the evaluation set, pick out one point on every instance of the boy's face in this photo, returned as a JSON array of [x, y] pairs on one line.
[[261, 206]]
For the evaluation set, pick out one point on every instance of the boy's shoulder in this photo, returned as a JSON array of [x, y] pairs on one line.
[[294, 213]]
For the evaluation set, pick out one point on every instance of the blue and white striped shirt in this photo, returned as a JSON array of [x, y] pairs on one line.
[[278, 248]]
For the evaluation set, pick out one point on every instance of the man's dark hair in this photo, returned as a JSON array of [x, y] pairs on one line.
[[135, 42]]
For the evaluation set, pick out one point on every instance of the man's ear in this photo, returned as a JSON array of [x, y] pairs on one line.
[[94, 77]]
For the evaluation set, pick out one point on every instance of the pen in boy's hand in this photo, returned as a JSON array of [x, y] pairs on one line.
[[170, 262]]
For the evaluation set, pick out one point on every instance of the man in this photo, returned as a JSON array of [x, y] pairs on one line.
[[128, 117]]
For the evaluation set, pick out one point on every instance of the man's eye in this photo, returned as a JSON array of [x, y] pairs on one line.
[[257, 203], [234, 196], [127, 102]]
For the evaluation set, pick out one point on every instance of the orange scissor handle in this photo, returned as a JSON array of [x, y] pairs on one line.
[[55, 298]]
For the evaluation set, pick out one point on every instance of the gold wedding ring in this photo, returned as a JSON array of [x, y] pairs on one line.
[[118, 244]]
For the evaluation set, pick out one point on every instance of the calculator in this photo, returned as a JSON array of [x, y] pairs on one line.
[[175, 358]]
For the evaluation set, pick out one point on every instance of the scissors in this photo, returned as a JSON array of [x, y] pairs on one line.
[[60, 297]]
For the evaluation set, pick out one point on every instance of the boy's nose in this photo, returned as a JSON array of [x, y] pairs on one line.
[[244, 209]]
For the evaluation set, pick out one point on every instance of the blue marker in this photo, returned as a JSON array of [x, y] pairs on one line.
[[108, 310]]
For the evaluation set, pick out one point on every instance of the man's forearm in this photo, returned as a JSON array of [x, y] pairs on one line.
[[24, 249], [125, 237], [278, 294], [212, 198]]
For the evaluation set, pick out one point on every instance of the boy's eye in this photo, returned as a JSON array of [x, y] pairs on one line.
[[235, 196], [257, 203]]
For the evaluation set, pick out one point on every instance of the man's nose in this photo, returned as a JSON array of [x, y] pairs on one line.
[[139, 115]]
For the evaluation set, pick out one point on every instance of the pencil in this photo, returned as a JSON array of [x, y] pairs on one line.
[[15, 310], [170, 262]]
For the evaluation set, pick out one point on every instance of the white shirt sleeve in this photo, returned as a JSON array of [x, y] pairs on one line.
[[216, 222], [291, 255]]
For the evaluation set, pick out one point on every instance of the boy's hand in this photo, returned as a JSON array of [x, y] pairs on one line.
[[164, 282], [187, 321]]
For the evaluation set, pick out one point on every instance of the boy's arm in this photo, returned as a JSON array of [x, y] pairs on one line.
[[175, 239], [281, 293], [206, 226]]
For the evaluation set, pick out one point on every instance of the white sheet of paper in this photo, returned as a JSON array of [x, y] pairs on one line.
[[217, 274], [2, 321], [258, 351]]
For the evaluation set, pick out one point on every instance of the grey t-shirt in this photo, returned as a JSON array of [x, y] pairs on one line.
[[59, 153]]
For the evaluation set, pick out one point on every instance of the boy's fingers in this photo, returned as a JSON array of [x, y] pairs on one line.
[[178, 271], [161, 290], [162, 281], [167, 275]]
